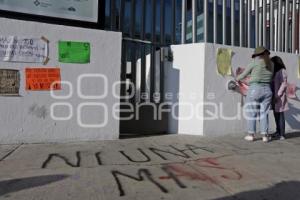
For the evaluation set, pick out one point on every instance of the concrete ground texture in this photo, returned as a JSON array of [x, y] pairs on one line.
[[167, 167]]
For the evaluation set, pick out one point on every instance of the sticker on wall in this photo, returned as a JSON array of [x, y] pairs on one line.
[[9, 82], [22, 49], [43, 79], [74, 52], [224, 61]]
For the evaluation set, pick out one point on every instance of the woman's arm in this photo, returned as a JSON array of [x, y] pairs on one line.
[[283, 85], [245, 73]]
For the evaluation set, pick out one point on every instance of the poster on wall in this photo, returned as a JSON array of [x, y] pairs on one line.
[[9, 82], [224, 61], [39, 79], [74, 52], [22, 49], [84, 10]]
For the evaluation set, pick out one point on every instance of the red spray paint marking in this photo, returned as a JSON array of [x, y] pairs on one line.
[[215, 165], [181, 171], [211, 163]]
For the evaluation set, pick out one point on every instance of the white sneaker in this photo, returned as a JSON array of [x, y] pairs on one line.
[[266, 138], [249, 137], [282, 138]]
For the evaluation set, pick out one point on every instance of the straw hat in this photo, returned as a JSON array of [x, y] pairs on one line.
[[260, 51]]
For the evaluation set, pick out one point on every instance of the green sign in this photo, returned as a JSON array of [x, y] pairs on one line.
[[74, 52]]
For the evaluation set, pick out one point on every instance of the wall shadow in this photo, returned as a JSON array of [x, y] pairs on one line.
[[292, 116], [281, 191], [154, 118], [16, 185], [172, 82]]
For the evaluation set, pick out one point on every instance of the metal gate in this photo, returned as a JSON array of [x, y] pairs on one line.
[[142, 87]]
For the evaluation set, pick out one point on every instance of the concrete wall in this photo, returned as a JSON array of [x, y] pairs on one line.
[[184, 78], [27, 118], [198, 74]]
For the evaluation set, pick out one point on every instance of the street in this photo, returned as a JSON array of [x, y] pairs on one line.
[[163, 167]]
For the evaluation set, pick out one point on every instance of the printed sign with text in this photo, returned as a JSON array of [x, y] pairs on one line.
[[84, 10], [43, 79], [9, 82], [21, 49]]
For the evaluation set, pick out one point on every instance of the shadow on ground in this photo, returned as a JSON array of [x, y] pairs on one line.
[[132, 136], [16, 185], [293, 135], [287, 136], [281, 191]]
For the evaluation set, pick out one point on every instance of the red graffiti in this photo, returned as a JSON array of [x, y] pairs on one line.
[[213, 164], [193, 171], [182, 171]]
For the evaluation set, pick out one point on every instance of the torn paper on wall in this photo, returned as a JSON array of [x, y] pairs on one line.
[[9, 82], [23, 49], [224, 61]]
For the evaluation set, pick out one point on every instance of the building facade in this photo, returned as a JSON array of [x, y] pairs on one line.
[[245, 23], [250, 23], [149, 25]]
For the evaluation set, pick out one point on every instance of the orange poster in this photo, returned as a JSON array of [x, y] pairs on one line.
[[43, 78]]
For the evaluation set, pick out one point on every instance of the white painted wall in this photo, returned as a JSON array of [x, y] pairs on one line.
[[20, 118], [226, 101], [198, 73], [215, 83], [184, 78]]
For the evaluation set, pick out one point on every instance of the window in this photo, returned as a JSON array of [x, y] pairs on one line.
[[87, 14]]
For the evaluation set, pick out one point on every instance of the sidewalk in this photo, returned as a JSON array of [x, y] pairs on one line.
[[155, 168]]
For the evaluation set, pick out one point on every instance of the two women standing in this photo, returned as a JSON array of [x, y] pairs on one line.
[[265, 74], [280, 102]]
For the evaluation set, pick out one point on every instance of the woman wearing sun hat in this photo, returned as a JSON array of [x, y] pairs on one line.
[[259, 95]]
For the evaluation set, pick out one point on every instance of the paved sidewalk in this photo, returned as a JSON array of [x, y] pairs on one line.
[[154, 168]]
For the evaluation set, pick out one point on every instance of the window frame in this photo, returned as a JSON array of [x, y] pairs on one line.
[[59, 21]]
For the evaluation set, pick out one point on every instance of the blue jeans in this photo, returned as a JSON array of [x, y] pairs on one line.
[[257, 107]]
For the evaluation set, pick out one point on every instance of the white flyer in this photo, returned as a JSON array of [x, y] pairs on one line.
[[22, 49]]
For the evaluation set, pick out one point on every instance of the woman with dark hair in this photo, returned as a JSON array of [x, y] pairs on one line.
[[259, 94], [280, 103]]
